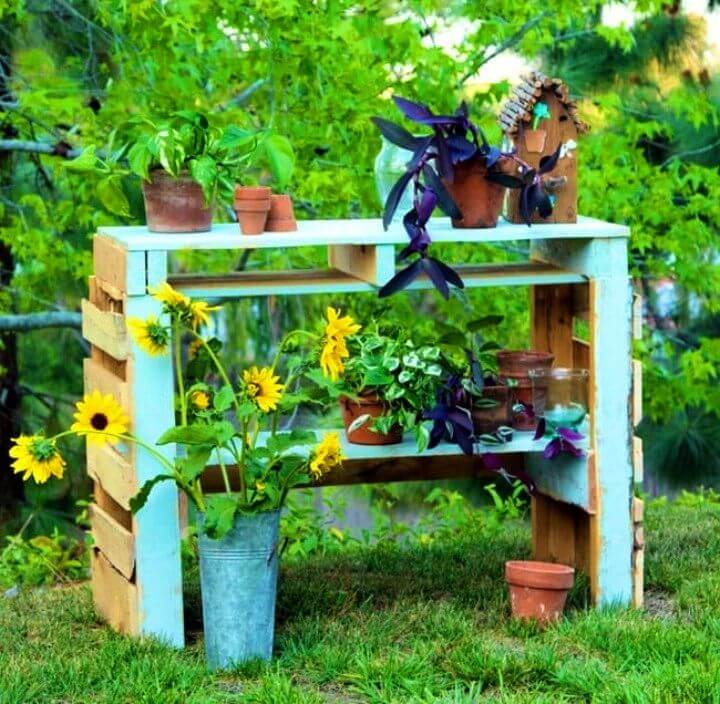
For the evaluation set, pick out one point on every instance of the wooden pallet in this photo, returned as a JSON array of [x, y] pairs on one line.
[[585, 513]]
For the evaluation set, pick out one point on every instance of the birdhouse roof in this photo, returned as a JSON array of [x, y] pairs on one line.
[[519, 107]]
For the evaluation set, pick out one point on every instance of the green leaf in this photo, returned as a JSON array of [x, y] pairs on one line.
[[223, 399], [484, 322], [281, 158], [140, 499], [204, 171], [220, 510], [139, 158], [112, 196], [236, 139], [86, 162], [192, 466], [199, 434]]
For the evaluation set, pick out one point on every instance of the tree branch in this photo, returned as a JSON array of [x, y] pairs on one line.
[[504, 46], [60, 148], [38, 321], [691, 152]]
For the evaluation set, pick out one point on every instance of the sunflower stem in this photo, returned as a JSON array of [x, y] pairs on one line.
[[218, 366], [179, 370], [223, 470]]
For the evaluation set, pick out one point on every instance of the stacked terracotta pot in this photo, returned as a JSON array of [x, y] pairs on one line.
[[260, 210]]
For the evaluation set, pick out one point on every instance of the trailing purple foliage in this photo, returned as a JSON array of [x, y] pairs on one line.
[[563, 440]]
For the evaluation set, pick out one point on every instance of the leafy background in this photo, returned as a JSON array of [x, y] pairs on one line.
[[74, 71]]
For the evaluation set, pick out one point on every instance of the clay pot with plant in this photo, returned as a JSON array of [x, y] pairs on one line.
[[538, 590], [361, 414], [186, 163], [492, 409], [514, 370]]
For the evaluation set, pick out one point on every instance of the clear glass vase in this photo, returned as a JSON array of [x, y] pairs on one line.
[[560, 396], [390, 164]]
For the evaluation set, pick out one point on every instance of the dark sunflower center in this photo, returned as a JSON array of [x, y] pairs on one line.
[[253, 389], [99, 421]]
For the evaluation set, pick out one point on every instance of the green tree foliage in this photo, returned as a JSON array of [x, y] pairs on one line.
[[74, 73]]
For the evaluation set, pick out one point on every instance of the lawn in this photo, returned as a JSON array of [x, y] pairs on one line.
[[391, 624]]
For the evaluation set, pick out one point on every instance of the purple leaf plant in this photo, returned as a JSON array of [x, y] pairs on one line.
[[562, 440]]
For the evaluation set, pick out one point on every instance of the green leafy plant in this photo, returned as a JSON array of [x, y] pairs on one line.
[[187, 143]]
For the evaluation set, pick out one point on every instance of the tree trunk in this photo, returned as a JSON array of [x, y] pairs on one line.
[[11, 487]]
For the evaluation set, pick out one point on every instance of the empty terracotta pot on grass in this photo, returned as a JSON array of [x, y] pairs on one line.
[[251, 205], [538, 590], [281, 217]]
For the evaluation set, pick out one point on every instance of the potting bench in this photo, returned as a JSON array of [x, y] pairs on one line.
[[584, 515]]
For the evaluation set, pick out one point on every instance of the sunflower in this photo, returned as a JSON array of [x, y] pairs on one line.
[[200, 313], [38, 457], [99, 418], [326, 456], [335, 349], [151, 336], [194, 347], [263, 387], [200, 399], [173, 300]]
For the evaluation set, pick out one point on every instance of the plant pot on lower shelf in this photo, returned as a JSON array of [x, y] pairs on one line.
[[514, 369], [538, 590], [487, 418], [370, 406], [251, 205], [238, 582], [175, 204], [479, 200]]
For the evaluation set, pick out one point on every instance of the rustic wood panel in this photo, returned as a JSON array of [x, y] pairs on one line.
[[372, 263], [115, 541], [110, 266], [115, 598], [552, 322], [105, 330], [96, 376], [113, 472], [580, 354]]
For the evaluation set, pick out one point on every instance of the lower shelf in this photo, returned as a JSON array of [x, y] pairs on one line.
[[565, 478]]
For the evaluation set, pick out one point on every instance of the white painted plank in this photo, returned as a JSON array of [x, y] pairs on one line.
[[157, 527], [354, 231]]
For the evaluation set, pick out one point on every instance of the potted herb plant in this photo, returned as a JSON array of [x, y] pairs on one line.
[[234, 427], [447, 168], [384, 384], [184, 162]]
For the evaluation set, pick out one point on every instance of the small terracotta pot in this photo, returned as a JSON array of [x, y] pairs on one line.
[[538, 590], [488, 420], [251, 205], [281, 217], [514, 367], [535, 140], [175, 204], [480, 201], [373, 406]]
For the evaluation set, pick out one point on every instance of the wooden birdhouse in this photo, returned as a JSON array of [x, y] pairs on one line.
[[537, 118]]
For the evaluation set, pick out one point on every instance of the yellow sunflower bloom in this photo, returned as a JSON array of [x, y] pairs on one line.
[[151, 336], [326, 456], [200, 313], [263, 388], [335, 349], [37, 457], [169, 297], [99, 418], [200, 399]]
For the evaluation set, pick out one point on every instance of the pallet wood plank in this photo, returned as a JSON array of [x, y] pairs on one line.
[[374, 264], [115, 541], [638, 460], [637, 393], [115, 598], [113, 472], [106, 331], [552, 322], [96, 376], [110, 265]]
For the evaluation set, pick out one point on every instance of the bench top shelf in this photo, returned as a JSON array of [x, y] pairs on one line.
[[353, 232]]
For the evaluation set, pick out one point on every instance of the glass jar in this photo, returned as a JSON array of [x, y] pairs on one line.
[[390, 165], [560, 396]]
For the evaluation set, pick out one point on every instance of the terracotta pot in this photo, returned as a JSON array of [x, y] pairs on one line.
[[281, 217], [488, 420], [251, 205], [538, 590], [374, 407], [535, 140], [514, 367], [480, 201], [175, 204]]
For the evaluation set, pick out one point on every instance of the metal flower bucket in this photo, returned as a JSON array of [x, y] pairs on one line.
[[238, 580]]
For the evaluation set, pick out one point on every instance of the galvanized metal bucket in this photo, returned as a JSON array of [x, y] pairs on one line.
[[238, 579]]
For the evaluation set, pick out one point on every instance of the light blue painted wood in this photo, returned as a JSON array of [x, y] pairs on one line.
[[354, 231], [136, 277], [385, 263], [565, 478], [157, 529]]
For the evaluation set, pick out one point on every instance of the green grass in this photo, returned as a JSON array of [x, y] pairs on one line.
[[386, 624]]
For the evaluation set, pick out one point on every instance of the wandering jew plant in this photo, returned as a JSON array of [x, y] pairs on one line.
[[454, 139], [562, 440]]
